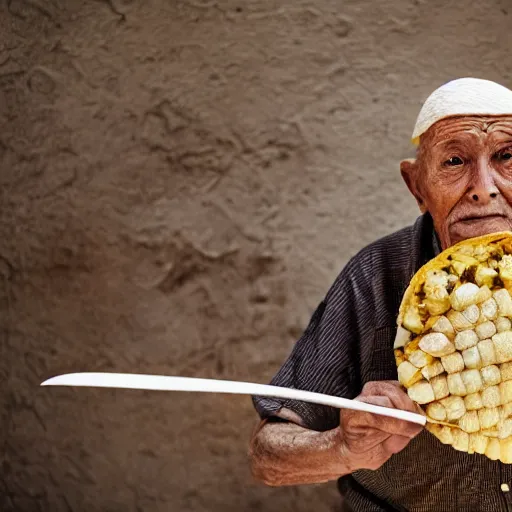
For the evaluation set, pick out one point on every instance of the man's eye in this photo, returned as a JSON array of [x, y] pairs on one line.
[[505, 155], [454, 160]]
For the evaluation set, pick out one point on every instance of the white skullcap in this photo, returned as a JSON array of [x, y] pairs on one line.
[[464, 96]]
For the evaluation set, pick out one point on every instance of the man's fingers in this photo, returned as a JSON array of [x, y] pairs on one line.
[[375, 384], [363, 420], [382, 401], [391, 389], [379, 435], [396, 443]]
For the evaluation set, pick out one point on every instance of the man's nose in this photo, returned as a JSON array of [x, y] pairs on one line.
[[483, 187]]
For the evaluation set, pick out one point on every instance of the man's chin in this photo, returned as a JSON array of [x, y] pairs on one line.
[[463, 230]]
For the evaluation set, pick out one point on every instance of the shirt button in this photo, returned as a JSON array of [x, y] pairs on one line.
[[505, 488]]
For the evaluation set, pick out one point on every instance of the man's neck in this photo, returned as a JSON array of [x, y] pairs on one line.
[[436, 243]]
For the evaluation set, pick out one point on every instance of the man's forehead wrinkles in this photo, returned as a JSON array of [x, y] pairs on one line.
[[454, 137], [468, 130], [470, 140], [479, 122], [465, 126], [447, 143], [502, 127], [460, 131]]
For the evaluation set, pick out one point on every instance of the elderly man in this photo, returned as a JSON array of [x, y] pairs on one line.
[[462, 181]]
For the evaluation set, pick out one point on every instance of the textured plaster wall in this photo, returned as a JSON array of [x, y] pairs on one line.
[[181, 181]]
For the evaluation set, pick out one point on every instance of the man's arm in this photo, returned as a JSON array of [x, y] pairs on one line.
[[286, 453]]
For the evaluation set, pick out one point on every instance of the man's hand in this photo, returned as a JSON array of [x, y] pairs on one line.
[[366, 441], [290, 454]]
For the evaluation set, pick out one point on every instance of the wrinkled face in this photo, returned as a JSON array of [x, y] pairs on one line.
[[463, 176]]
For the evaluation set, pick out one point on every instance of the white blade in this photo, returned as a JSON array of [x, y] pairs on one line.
[[165, 383]]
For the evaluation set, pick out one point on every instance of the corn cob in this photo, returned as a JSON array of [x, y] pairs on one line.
[[453, 346]]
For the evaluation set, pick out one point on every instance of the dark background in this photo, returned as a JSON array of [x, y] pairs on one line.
[[181, 181]]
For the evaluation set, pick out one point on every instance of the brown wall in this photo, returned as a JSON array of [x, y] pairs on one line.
[[181, 181]]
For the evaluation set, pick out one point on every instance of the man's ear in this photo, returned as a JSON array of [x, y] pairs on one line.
[[410, 174]]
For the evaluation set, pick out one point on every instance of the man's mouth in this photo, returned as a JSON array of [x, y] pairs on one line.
[[480, 218]]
